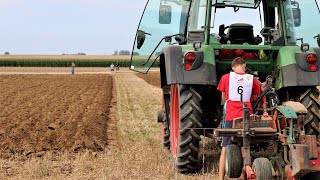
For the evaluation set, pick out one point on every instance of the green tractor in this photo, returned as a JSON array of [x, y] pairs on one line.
[[194, 42]]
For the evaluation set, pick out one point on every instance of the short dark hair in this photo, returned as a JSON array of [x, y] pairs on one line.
[[237, 61]]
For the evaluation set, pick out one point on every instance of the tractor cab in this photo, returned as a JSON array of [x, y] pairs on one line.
[[252, 24]]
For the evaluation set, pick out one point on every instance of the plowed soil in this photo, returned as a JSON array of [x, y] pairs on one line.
[[109, 119], [40, 113], [151, 78]]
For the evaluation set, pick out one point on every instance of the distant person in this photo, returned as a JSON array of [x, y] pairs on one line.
[[117, 66], [278, 38], [112, 67], [73, 65]]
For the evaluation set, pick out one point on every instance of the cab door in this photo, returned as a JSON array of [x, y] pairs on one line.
[[160, 19]]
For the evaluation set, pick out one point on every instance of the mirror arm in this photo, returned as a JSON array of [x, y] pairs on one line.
[[318, 39], [166, 37]]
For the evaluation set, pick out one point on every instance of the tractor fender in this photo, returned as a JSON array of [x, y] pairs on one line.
[[173, 72], [295, 75]]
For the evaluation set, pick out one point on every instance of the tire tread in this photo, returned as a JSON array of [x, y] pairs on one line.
[[189, 138]]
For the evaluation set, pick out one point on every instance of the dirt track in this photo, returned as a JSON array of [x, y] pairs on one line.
[[54, 112]]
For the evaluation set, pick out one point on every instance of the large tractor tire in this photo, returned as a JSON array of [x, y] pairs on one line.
[[165, 123], [185, 114], [233, 164], [262, 168], [310, 98], [166, 132]]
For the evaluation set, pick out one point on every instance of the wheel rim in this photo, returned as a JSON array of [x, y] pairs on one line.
[[174, 119]]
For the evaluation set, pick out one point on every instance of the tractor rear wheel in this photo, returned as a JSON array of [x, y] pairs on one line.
[[165, 121], [185, 111], [310, 98], [166, 132], [262, 168]]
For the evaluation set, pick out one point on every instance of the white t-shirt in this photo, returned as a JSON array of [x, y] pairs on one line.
[[240, 83]]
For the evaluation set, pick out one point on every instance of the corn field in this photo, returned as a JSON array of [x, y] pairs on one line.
[[65, 61]]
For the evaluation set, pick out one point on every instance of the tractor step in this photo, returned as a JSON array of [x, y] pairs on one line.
[[160, 116]]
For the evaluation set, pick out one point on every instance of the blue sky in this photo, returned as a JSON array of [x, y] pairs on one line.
[[68, 26]]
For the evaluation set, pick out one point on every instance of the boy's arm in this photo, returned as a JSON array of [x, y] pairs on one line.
[[223, 98], [256, 89], [221, 87], [254, 97]]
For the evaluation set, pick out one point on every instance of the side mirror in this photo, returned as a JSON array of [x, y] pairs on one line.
[[165, 13], [141, 36], [296, 12]]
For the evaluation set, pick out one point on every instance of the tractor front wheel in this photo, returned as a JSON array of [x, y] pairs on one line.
[[185, 119]]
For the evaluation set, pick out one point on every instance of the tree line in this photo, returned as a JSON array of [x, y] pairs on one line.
[[122, 52]]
